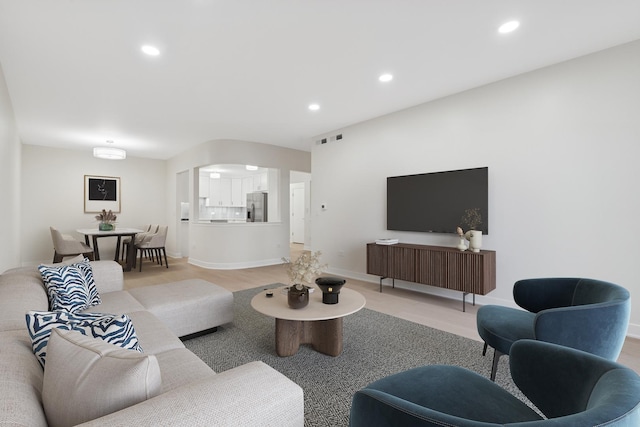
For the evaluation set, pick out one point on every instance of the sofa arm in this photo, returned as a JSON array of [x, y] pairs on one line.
[[250, 395], [107, 275]]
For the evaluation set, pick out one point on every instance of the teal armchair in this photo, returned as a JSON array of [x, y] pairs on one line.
[[570, 387], [586, 314]]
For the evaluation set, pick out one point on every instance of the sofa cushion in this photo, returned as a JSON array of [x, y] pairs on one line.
[[114, 329], [155, 337], [70, 287], [21, 290], [86, 378], [21, 379], [187, 306], [108, 276], [117, 302], [180, 367]]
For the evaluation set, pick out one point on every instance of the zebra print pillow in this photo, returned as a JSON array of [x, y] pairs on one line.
[[70, 287], [114, 329], [94, 296]]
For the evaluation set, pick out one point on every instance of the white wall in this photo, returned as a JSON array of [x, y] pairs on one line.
[[53, 195], [9, 182], [226, 246], [562, 145]]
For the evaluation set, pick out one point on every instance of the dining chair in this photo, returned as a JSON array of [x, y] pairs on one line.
[[65, 245], [154, 246], [148, 230]]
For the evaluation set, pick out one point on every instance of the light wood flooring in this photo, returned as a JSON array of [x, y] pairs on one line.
[[433, 311]]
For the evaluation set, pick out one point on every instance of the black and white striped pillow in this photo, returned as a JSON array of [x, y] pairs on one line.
[[114, 329], [70, 287]]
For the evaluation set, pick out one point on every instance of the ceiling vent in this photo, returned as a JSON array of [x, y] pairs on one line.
[[333, 138]]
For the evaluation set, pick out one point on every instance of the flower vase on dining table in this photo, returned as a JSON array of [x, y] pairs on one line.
[[106, 226]]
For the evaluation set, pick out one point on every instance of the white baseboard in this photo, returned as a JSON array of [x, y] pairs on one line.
[[233, 266]]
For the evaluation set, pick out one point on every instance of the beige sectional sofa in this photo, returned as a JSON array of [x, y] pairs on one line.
[[190, 393]]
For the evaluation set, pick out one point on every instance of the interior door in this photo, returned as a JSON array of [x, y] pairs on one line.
[[297, 214]]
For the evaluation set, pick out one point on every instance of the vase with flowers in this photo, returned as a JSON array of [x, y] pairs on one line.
[[472, 219], [302, 272], [107, 220]]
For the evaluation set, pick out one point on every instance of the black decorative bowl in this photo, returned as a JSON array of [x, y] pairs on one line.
[[330, 287]]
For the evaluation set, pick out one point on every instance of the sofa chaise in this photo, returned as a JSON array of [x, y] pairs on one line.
[[182, 390]]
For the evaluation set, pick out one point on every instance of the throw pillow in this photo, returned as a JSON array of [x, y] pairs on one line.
[[114, 329], [86, 378], [70, 287]]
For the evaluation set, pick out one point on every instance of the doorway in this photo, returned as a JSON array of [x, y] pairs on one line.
[[297, 213], [300, 208]]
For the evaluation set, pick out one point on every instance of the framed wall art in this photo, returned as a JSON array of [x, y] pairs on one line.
[[101, 192]]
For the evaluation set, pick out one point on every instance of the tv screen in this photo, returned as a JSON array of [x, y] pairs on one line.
[[439, 202]]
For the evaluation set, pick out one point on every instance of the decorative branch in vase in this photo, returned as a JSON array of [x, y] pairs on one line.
[[472, 218], [302, 272], [107, 220]]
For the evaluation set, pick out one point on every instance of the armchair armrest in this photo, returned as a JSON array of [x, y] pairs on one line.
[[562, 381], [599, 329], [250, 395], [372, 407], [535, 295]]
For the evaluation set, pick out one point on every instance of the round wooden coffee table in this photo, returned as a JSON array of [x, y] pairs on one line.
[[317, 324]]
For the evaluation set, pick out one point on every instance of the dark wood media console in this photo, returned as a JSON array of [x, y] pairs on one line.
[[443, 267]]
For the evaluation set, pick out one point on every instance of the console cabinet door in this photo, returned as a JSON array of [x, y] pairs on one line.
[[431, 267], [402, 263], [377, 263]]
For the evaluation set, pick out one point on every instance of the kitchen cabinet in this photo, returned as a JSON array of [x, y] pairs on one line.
[[220, 192], [247, 187], [260, 182], [236, 192], [225, 192], [203, 186]]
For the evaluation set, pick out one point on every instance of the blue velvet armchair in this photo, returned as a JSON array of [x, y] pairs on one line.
[[590, 315], [570, 387]]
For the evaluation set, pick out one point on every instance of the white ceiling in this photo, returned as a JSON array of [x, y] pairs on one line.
[[248, 69]]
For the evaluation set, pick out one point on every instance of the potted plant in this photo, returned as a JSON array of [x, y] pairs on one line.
[[472, 219], [107, 220], [302, 272]]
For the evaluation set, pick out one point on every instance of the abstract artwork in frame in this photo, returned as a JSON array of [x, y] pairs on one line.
[[101, 192]]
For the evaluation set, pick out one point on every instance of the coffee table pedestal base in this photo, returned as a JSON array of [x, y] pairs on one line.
[[325, 336]]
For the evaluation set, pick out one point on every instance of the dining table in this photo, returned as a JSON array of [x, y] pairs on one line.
[[119, 233]]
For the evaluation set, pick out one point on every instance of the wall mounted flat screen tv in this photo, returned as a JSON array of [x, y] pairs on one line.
[[437, 202]]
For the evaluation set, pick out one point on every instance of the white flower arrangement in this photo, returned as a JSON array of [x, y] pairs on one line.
[[304, 269]]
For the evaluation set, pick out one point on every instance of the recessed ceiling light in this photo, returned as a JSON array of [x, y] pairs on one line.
[[314, 107], [150, 50], [385, 78], [507, 27]]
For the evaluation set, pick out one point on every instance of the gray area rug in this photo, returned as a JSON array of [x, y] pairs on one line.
[[375, 345]]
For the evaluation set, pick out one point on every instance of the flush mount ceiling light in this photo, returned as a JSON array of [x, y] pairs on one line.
[[508, 27], [385, 78], [150, 50], [251, 168], [314, 107], [109, 153], [214, 175]]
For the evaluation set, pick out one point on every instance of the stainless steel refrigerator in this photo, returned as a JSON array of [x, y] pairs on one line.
[[257, 207]]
